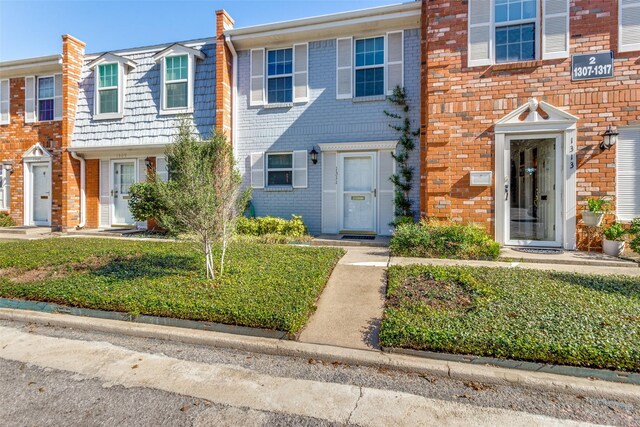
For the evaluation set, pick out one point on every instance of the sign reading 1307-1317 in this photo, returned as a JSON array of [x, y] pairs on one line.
[[592, 66]]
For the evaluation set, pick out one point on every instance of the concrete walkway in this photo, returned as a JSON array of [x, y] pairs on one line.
[[350, 308]]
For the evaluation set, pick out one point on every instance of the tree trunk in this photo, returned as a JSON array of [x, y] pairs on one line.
[[209, 259]]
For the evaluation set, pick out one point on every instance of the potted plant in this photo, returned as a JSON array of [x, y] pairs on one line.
[[596, 210], [613, 243]]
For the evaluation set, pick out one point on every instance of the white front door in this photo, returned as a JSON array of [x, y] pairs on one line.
[[358, 192], [124, 175], [533, 216], [41, 194]]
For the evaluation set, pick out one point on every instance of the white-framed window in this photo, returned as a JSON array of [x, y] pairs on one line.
[[4, 102], [108, 84], [369, 66], [501, 31], [176, 82], [4, 188], [628, 173], [279, 76], [279, 169], [515, 30], [46, 96]]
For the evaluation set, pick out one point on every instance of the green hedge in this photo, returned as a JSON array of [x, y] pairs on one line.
[[5, 220], [534, 315], [269, 225], [439, 239]]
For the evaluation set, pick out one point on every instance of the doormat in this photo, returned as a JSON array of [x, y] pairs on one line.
[[358, 237], [540, 251]]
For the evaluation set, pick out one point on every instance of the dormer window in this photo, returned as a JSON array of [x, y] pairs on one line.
[[107, 88], [177, 71], [110, 82], [176, 81]]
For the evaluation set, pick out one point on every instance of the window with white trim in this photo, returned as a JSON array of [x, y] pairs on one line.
[[46, 96], [279, 169], [4, 188], [279, 76], [108, 89], [515, 30], [176, 82], [369, 66]]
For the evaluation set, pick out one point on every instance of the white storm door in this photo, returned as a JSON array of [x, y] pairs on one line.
[[533, 190], [358, 195], [124, 175], [41, 194]]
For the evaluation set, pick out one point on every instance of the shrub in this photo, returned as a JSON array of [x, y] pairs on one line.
[[598, 205], [5, 220], [634, 231], [440, 239], [614, 232], [270, 225], [145, 203]]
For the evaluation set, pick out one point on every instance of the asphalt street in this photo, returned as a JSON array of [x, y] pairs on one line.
[[101, 391]]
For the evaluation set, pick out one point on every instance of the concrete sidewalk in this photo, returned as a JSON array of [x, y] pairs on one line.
[[350, 308]]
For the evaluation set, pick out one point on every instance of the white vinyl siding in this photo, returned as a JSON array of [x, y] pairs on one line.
[[555, 29], [329, 193], [386, 192], [105, 199], [344, 71], [57, 99], [4, 103], [300, 169], [628, 174], [162, 169], [29, 99], [629, 25], [301, 72], [256, 97], [4, 188], [395, 61], [257, 170]]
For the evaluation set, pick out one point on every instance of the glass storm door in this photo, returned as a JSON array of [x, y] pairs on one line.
[[532, 214], [124, 174], [41, 192], [358, 193]]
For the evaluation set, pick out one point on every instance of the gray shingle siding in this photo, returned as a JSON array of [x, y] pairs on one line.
[[141, 123], [323, 119]]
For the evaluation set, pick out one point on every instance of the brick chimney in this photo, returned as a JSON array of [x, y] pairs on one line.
[[224, 75]]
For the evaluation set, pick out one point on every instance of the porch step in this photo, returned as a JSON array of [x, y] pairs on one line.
[[26, 230], [596, 259]]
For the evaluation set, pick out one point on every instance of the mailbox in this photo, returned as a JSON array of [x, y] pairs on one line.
[[480, 179]]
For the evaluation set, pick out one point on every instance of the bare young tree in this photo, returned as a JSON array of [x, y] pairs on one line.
[[202, 197]]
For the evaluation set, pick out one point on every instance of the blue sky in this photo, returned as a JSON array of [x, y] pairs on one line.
[[33, 28]]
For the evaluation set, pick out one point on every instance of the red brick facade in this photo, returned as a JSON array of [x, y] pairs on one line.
[[224, 74], [17, 137], [460, 106]]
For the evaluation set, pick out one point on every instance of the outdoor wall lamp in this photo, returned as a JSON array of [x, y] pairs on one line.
[[147, 162], [8, 167], [314, 155], [610, 137]]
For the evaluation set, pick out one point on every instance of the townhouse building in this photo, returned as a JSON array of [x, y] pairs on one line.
[[526, 109], [521, 101]]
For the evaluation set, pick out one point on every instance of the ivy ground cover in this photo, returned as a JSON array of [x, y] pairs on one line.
[[264, 286], [533, 315]]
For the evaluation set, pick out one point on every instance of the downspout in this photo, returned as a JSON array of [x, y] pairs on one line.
[[234, 95], [83, 203]]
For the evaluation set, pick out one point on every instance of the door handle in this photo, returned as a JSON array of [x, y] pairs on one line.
[[375, 192], [506, 191]]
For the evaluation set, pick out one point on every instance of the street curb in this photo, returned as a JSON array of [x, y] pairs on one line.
[[370, 358], [575, 371], [47, 307]]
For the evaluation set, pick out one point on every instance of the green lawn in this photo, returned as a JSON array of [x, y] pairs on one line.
[[515, 313], [265, 286]]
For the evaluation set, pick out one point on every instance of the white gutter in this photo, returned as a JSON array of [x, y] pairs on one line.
[[234, 95], [83, 185]]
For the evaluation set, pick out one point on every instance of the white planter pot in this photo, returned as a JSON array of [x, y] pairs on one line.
[[592, 219], [612, 247]]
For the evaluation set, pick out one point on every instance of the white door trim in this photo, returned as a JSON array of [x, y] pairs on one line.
[[374, 179], [29, 193], [112, 205], [558, 191]]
